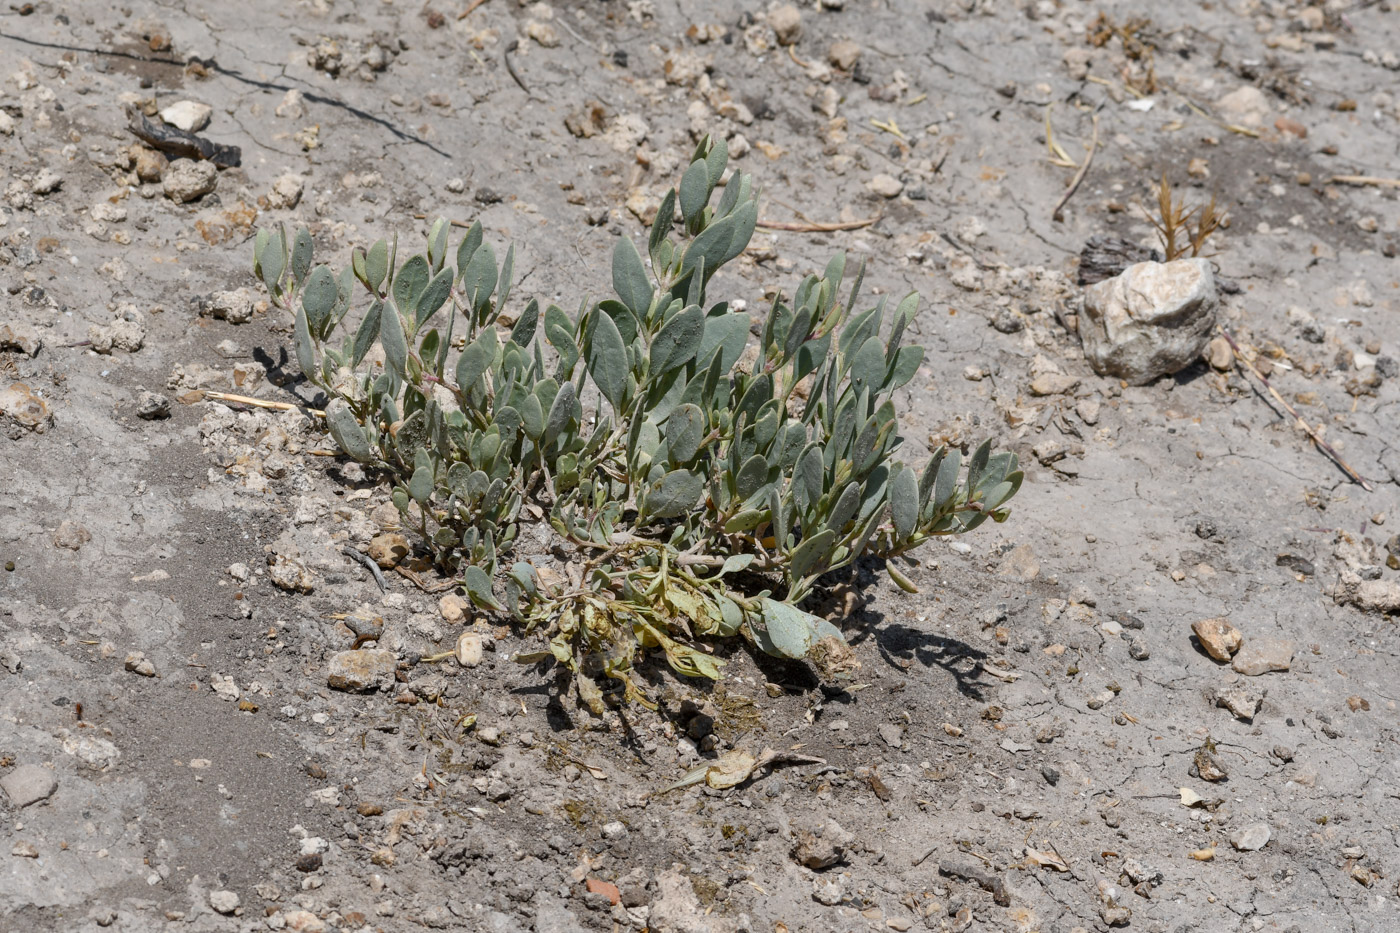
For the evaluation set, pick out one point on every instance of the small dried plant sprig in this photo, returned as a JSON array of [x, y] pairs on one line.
[[1175, 228]]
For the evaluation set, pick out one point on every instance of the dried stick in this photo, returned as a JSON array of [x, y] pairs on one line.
[[1058, 214], [817, 227], [1362, 180], [1232, 127], [470, 6], [456, 223], [510, 67], [416, 580], [262, 403], [369, 563], [1316, 438], [1058, 156], [888, 126]]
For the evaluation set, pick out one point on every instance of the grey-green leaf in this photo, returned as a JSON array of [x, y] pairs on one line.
[[468, 246], [274, 262], [661, 227], [811, 553], [532, 416], [809, 475], [260, 241], [780, 514], [906, 365], [685, 429], [367, 333], [479, 278], [908, 307], [391, 337], [788, 632], [434, 296], [409, 283], [507, 277], [747, 520], [318, 297], [904, 503], [559, 331], [751, 476], [728, 333], [997, 495], [735, 563], [678, 341], [377, 264], [478, 586], [346, 431], [716, 161], [564, 411], [845, 508], [978, 463], [437, 242], [675, 495], [306, 350], [947, 482], [695, 191], [420, 485], [868, 366], [524, 330], [607, 359], [629, 276], [301, 255], [722, 240], [476, 359]]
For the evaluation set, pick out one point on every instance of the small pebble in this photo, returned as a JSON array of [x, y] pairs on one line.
[[786, 22], [224, 902], [886, 186], [151, 406]]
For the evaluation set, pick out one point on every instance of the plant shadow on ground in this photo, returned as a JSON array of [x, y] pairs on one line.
[[277, 372], [902, 645]]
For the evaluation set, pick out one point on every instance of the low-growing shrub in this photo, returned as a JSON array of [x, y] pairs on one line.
[[700, 470]]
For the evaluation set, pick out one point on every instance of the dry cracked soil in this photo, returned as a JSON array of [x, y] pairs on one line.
[[1038, 741]]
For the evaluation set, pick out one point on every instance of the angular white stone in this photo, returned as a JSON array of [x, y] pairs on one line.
[[187, 115], [1151, 320], [1252, 837]]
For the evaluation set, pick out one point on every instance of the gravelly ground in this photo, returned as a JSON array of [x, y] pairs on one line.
[[236, 769]]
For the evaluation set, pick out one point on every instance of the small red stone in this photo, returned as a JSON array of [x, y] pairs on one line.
[[595, 886]]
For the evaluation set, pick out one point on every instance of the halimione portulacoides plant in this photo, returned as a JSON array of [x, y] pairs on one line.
[[702, 468]]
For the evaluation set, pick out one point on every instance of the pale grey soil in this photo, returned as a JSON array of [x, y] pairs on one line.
[[1172, 505]]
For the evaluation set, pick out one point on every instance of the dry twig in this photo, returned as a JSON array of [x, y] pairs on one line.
[[416, 580], [369, 563], [1365, 181], [515, 75], [1058, 213], [1201, 111], [456, 223], [1058, 156], [888, 126], [817, 227], [1316, 438], [262, 403], [470, 6]]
